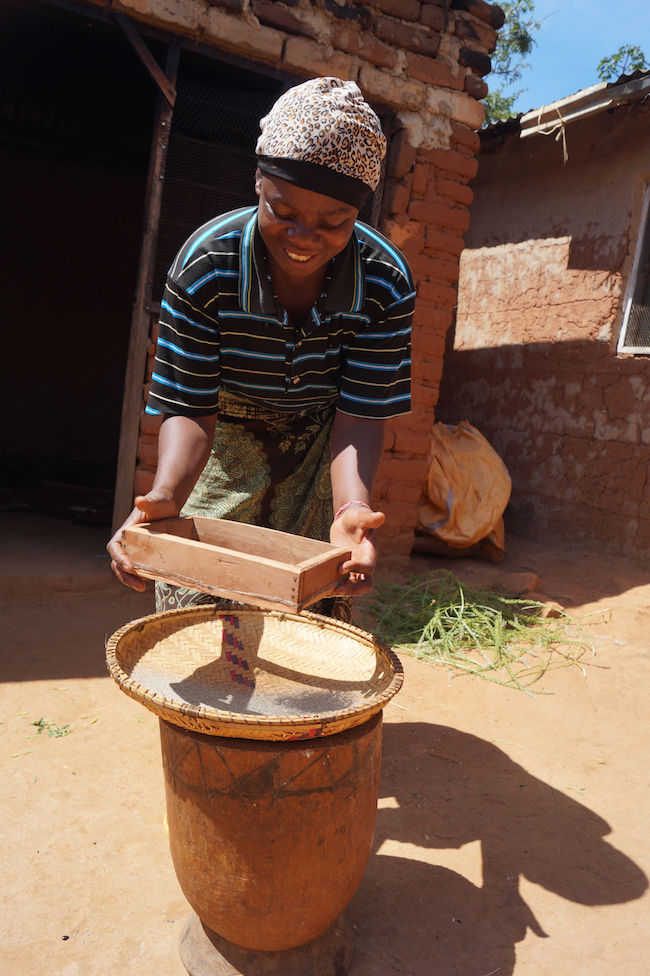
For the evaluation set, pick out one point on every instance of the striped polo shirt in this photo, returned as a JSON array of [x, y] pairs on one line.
[[221, 327]]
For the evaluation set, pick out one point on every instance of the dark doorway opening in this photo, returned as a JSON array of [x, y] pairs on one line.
[[76, 114]]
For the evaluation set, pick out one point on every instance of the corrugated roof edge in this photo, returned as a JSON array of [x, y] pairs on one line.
[[627, 88]]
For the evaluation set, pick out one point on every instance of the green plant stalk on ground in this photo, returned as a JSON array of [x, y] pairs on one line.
[[497, 638]]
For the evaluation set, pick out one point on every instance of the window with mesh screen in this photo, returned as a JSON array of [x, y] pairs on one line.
[[210, 165], [635, 332]]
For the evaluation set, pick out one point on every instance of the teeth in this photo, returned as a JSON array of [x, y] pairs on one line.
[[297, 257]]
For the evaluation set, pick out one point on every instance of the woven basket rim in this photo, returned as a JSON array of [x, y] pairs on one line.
[[202, 718]]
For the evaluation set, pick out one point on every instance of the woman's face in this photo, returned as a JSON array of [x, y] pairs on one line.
[[302, 230]]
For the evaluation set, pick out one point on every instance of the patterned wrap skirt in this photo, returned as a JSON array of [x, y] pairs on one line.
[[265, 468]]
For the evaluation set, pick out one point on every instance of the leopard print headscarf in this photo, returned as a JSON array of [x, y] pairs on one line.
[[323, 135]]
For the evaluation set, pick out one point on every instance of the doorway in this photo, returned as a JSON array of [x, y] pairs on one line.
[[75, 129]]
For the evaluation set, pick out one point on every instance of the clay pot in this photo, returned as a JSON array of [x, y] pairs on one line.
[[270, 839]]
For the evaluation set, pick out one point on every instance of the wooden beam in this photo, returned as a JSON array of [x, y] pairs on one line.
[[166, 88], [141, 318]]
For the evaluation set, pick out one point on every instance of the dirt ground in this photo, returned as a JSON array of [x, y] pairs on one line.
[[511, 833]]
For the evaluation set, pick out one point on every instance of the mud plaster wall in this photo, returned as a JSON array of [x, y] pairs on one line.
[[534, 362], [425, 62]]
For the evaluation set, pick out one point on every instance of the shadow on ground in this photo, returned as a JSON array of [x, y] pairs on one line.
[[453, 789]]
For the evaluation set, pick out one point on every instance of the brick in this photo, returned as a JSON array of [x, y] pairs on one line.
[[476, 60], [349, 11], [148, 450], [403, 470], [303, 55], [432, 344], [236, 5], [405, 234], [454, 218], [445, 242], [465, 136], [432, 16], [450, 161], [409, 36], [278, 15], [143, 480], [436, 293], [444, 269], [452, 190], [433, 72], [393, 545], [432, 355], [436, 254], [405, 9], [397, 196], [432, 321], [364, 45], [431, 381], [234, 34], [475, 31], [456, 105], [411, 249], [180, 16], [150, 423], [382, 87], [490, 13], [389, 440], [401, 156], [413, 444], [403, 518], [427, 393], [421, 174], [475, 86]]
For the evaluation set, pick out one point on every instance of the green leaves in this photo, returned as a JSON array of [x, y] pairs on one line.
[[52, 730], [497, 638], [627, 59], [516, 40]]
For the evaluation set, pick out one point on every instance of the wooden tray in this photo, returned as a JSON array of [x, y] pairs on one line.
[[269, 569]]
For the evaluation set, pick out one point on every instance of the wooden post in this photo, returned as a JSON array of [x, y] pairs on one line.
[[140, 321]]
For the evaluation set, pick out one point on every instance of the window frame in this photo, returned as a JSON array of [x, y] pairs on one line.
[[642, 245]]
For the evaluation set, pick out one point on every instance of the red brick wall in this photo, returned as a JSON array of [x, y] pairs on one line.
[[426, 64], [534, 364]]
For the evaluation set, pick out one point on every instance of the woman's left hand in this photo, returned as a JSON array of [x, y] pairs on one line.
[[354, 530]]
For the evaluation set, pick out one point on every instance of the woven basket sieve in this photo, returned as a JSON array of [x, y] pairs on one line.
[[253, 674]]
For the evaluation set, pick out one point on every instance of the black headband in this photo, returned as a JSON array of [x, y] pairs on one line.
[[314, 176]]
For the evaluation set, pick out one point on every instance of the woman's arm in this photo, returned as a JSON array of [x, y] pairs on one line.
[[357, 447], [184, 445]]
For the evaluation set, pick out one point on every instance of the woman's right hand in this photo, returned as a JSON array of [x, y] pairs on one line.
[[155, 505]]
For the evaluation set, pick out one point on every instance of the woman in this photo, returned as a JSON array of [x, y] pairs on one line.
[[284, 346]]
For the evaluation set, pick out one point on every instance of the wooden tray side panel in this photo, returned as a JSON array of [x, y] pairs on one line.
[[320, 578], [255, 539], [183, 528], [186, 562], [248, 563]]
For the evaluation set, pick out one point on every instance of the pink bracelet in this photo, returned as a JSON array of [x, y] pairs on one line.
[[347, 505]]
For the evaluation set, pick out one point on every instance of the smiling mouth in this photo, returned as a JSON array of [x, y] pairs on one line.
[[298, 257]]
